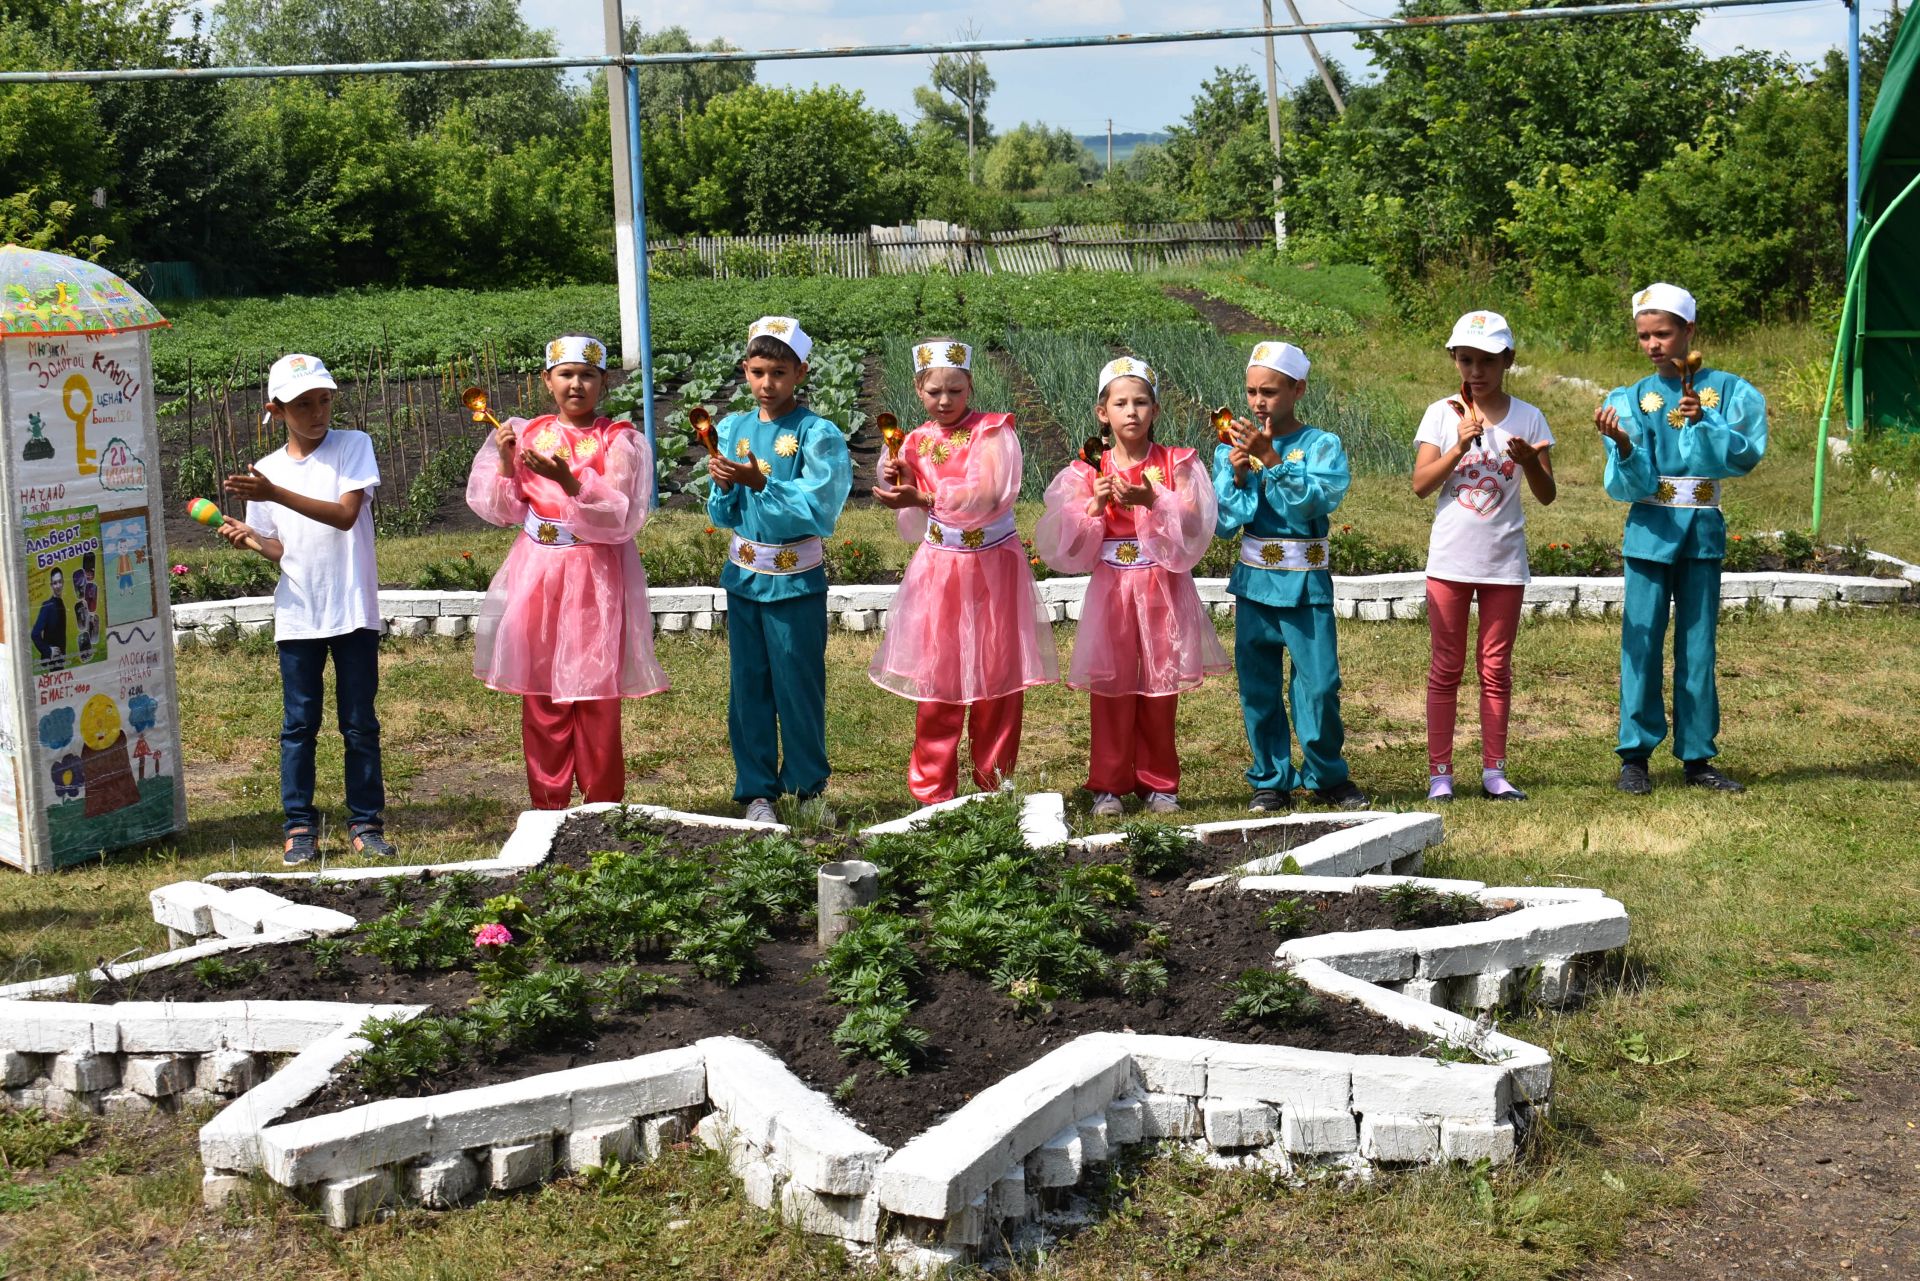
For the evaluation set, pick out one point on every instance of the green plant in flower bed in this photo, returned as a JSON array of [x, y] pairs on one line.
[[443, 471], [869, 968], [1289, 917], [224, 576], [1144, 978], [1272, 998], [222, 975], [460, 573], [1588, 558], [329, 955], [1422, 905], [1156, 850]]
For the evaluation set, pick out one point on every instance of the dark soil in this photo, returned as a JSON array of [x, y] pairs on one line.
[[977, 1035], [1224, 316]]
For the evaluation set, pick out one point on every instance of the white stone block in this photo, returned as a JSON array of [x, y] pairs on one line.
[[1279, 1074], [156, 1076], [48, 1027], [516, 1165], [1469, 1141], [1386, 1086], [1007, 1199], [352, 1201], [658, 1133], [857, 620], [185, 906], [608, 1093], [1345, 607], [713, 1132], [17, 1068], [125, 1105], [1169, 1116], [227, 1072], [1432, 991], [820, 1147], [1477, 947], [449, 626], [1409, 607], [675, 622], [1378, 956], [851, 1218], [1073, 610], [82, 1072], [1094, 1147], [1373, 611], [600, 1144], [760, 1184], [910, 1259], [26, 1098], [1237, 1123], [1124, 1121], [1571, 929], [408, 628], [704, 620], [1170, 1064], [239, 913], [968, 1226], [1043, 820], [218, 1188], [1058, 1162], [1318, 1133], [1389, 1138], [1557, 981], [443, 1182], [298, 918], [1482, 991]]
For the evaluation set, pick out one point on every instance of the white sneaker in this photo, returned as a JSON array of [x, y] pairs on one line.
[[760, 810], [1163, 803], [1107, 805]]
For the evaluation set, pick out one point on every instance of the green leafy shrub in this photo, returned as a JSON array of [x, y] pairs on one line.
[[221, 974], [1142, 979], [1273, 998], [1157, 851], [1290, 917], [460, 573]]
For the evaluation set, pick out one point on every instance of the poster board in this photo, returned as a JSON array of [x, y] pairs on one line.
[[89, 719]]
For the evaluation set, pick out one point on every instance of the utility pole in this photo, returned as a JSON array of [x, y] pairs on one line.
[[1273, 129], [627, 266], [1313, 51], [1109, 148]]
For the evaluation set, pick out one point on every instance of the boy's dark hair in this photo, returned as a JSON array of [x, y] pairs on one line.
[[767, 347]]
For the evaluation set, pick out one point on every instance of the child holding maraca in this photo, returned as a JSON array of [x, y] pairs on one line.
[[566, 623], [308, 512], [967, 633]]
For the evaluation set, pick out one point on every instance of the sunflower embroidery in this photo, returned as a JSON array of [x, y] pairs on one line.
[[745, 555], [1295, 455], [1703, 493], [941, 452], [1316, 554], [1262, 353], [957, 354], [786, 445], [959, 440], [785, 559], [935, 534], [974, 539], [1652, 403], [1272, 554], [1155, 475], [922, 357], [1664, 492], [544, 442], [1122, 366], [926, 446], [555, 350], [1127, 553], [1676, 418], [766, 468], [563, 450], [584, 448], [548, 533], [742, 447], [775, 327], [595, 354], [1709, 398]]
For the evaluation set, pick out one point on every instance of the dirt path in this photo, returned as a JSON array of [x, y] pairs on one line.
[[1224, 316], [1825, 1190]]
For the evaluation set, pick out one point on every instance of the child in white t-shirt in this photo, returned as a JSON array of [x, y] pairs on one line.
[[1473, 449], [308, 512]]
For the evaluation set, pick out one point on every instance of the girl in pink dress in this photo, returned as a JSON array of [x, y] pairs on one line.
[[1139, 521], [565, 624], [967, 634]]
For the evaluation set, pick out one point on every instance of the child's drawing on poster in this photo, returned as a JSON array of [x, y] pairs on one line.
[[127, 568]]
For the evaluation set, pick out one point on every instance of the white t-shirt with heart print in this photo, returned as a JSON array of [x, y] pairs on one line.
[[1479, 524]]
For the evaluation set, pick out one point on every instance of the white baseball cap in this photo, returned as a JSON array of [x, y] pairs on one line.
[[1482, 330], [293, 375], [1282, 357], [1664, 297]]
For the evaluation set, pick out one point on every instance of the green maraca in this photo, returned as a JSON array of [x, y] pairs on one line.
[[206, 513]]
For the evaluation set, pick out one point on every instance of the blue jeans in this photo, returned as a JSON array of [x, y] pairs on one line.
[[356, 672]]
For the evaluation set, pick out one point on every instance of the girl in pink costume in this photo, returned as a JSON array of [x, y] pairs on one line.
[[967, 634], [1139, 521], [565, 624]]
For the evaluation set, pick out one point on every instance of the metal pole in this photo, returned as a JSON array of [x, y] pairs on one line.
[[1853, 117], [637, 177], [1273, 128], [615, 25], [1313, 51], [1611, 10]]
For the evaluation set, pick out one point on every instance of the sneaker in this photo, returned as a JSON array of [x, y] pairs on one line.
[[760, 810], [1163, 803], [1703, 774], [1345, 795], [1268, 801], [301, 847], [1107, 805], [1634, 780], [373, 842]]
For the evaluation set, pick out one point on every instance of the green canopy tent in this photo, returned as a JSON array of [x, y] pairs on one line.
[[1878, 345]]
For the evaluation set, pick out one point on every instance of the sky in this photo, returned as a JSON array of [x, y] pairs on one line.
[[1141, 90]]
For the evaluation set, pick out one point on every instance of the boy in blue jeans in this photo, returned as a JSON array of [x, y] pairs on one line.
[[307, 511]]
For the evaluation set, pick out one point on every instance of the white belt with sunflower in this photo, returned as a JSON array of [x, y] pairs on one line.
[[1283, 553], [1684, 491], [547, 532], [971, 540], [777, 558], [1126, 553]]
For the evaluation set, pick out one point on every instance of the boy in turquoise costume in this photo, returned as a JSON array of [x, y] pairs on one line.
[[1671, 438], [1277, 482], [779, 482]]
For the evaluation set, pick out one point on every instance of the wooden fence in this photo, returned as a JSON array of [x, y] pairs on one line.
[[932, 246]]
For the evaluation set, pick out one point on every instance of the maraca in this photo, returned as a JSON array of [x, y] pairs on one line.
[[476, 402], [703, 429], [891, 433], [206, 513]]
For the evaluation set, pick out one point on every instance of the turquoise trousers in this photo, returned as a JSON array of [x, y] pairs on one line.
[[777, 706], [1264, 636], [1689, 591]]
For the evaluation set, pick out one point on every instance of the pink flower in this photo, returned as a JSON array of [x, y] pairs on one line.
[[494, 935], [178, 570]]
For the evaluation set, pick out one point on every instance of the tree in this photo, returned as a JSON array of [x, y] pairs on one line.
[[1219, 160], [1024, 158], [964, 79], [677, 90]]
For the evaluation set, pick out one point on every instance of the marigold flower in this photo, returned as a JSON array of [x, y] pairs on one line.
[[712, 530], [493, 935], [466, 555]]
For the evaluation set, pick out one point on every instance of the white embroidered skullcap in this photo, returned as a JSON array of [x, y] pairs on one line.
[[942, 353], [787, 330], [1128, 367], [1486, 331], [1665, 297], [1282, 356], [576, 349]]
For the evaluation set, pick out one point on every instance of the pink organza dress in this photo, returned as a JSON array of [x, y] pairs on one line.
[[1143, 630], [967, 625], [568, 622]]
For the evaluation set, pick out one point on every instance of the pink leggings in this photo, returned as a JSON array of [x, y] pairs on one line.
[[1447, 604]]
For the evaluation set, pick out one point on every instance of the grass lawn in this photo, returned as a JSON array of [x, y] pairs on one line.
[[1773, 959]]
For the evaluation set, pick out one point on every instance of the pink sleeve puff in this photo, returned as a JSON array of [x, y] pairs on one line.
[[1068, 539], [494, 495], [1177, 527], [992, 479], [613, 502]]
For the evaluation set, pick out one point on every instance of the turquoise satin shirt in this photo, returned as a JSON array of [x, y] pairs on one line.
[[808, 479], [1729, 440], [1291, 500]]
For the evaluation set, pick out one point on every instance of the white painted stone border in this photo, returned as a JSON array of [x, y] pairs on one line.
[[1368, 841], [863, 607]]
